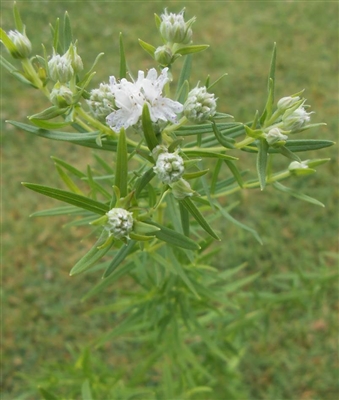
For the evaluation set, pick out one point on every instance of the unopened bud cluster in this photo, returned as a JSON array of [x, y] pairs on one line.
[[200, 105], [174, 29], [169, 167], [62, 68], [119, 223], [61, 95], [275, 137], [22, 45], [101, 101]]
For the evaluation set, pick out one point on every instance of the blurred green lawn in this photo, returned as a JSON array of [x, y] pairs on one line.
[[43, 316]]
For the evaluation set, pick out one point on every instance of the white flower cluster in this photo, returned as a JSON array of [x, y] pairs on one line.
[[169, 167], [120, 223], [294, 121], [200, 105], [130, 97]]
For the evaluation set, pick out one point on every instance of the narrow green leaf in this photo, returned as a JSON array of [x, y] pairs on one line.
[[270, 87], [209, 86], [86, 393], [157, 20], [123, 66], [183, 92], [7, 42], [71, 198], [185, 220], [262, 162], [147, 47], [142, 182], [181, 272], [185, 73], [17, 19], [90, 72], [74, 171], [46, 394], [67, 32], [191, 49], [237, 284], [295, 146], [92, 256], [193, 210], [149, 134], [64, 210], [49, 125], [285, 151], [297, 194], [224, 141], [68, 181], [121, 169], [196, 174], [117, 274], [123, 252], [208, 153], [55, 32], [49, 113], [174, 238], [236, 173], [238, 223]]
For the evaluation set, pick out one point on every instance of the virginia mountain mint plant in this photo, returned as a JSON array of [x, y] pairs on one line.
[[153, 209]]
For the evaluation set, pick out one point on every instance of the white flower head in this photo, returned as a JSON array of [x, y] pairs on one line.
[[296, 120], [21, 43], [120, 223], [169, 167], [101, 101], [274, 136], [200, 105], [130, 97]]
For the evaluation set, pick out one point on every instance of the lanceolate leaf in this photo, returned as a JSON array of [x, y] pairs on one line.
[[262, 162], [92, 257], [295, 146], [192, 49], [296, 194], [124, 251], [123, 66], [174, 238], [121, 170], [185, 73], [68, 197], [193, 210], [149, 134], [67, 33]]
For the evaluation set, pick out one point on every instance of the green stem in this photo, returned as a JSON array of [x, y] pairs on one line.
[[244, 142], [33, 76]]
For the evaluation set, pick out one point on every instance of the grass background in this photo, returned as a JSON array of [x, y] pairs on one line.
[[44, 319]]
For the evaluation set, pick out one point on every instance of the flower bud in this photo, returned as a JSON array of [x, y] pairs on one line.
[[120, 223], [21, 44], [274, 136], [61, 95], [169, 167], [287, 102], [163, 55], [295, 120], [296, 165], [174, 29], [74, 58], [60, 68], [101, 101], [182, 189], [200, 105]]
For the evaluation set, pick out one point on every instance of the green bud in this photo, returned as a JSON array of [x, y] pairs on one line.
[[287, 102], [22, 46], [274, 137], [174, 29], [61, 95], [200, 105], [300, 168], [60, 68], [163, 55], [74, 58], [182, 189]]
